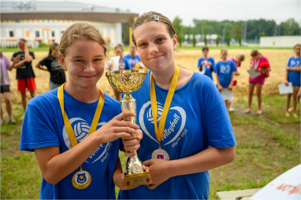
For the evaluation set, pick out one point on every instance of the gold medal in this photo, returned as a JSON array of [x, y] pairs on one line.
[[82, 178], [160, 153]]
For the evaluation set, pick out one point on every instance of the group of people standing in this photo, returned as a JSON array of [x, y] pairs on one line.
[[22, 62], [226, 70]]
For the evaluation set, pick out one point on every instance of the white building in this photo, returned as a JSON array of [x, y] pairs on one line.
[[280, 41], [46, 20]]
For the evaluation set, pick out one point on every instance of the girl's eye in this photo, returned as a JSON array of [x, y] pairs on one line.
[[78, 60], [142, 44], [97, 59], [160, 39]]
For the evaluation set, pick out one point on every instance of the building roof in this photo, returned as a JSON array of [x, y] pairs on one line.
[[62, 10]]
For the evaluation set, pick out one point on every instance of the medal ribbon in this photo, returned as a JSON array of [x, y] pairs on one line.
[[60, 94], [160, 132]]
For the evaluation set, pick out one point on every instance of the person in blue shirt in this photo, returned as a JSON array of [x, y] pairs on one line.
[[293, 76], [206, 63], [186, 133], [225, 70], [74, 130], [132, 58]]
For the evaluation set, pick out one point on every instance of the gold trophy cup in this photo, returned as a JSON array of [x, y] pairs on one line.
[[127, 81]]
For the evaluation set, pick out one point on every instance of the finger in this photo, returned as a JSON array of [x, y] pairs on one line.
[[124, 135], [130, 142], [152, 186], [124, 114], [126, 124], [132, 148], [139, 134], [148, 162], [125, 129], [129, 154]]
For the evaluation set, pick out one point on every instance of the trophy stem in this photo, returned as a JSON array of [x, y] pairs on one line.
[[128, 103]]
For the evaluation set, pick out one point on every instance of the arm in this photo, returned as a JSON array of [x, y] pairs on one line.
[[286, 77], [55, 166], [296, 69], [40, 67], [210, 158], [231, 82], [28, 57], [19, 64], [219, 86], [15, 60]]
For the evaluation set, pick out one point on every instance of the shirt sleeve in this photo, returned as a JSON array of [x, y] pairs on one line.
[[233, 67], [138, 58], [289, 61], [213, 63], [32, 54], [199, 62], [38, 128], [218, 128], [6, 61]]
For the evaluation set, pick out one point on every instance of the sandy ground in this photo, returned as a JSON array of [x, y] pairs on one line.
[[188, 59]]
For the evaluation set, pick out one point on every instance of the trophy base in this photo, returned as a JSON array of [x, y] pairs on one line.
[[137, 179]]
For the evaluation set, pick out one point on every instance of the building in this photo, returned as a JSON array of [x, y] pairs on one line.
[[280, 41], [45, 21]]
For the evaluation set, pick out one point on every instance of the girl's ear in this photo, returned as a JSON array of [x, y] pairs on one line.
[[62, 60], [175, 41]]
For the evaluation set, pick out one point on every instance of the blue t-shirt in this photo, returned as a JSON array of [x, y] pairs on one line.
[[224, 71], [130, 61], [208, 71], [294, 76], [43, 126], [195, 121]]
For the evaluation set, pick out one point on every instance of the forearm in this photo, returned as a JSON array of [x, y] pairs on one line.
[[217, 80], [286, 75], [118, 169], [11, 67], [40, 67], [27, 56], [231, 82], [296, 69], [202, 161], [19, 64], [61, 165]]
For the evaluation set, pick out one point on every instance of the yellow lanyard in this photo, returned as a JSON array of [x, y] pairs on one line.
[[60, 95], [159, 132]]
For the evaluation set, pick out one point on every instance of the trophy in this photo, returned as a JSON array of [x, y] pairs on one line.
[[127, 81]]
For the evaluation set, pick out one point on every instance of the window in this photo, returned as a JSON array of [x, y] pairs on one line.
[[11, 33], [37, 33], [52, 33], [17, 20], [62, 32], [27, 33]]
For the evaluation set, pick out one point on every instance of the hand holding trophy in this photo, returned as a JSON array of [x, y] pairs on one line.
[[127, 81]]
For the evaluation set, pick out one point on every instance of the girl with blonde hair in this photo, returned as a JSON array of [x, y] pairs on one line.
[[74, 129]]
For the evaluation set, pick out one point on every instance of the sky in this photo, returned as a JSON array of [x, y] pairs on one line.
[[187, 10]]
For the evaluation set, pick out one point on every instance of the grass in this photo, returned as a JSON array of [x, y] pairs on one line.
[[267, 146]]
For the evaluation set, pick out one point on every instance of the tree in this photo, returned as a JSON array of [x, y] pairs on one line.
[[193, 40], [217, 40], [239, 40], [125, 30], [205, 39], [262, 34], [177, 24], [228, 40], [236, 30]]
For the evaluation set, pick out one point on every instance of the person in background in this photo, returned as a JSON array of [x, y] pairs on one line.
[[25, 75], [57, 74], [206, 62], [132, 58], [237, 59], [261, 64], [293, 76], [224, 70], [5, 86], [118, 50]]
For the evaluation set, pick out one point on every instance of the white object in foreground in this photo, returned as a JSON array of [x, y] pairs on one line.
[[287, 186], [283, 89], [227, 94], [253, 73], [203, 69]]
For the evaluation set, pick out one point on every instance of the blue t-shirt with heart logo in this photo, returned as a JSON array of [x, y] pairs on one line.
[[197, 120], [224, 71], [43, 126], [294, 76]]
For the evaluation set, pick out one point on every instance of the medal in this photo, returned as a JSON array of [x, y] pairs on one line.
[[82, 178], [159, 131]]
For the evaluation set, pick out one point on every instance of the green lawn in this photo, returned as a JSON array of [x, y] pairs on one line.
[[267, 146]]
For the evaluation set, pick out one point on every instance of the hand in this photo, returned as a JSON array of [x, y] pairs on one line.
[[116, 128], [230, 87], [287, 68], [132, 145], [111, 65], [202, 63], [220, 88], [16, 59], [160, 171], [286, 82], [236, 73], [209, 63], [251, 64]]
